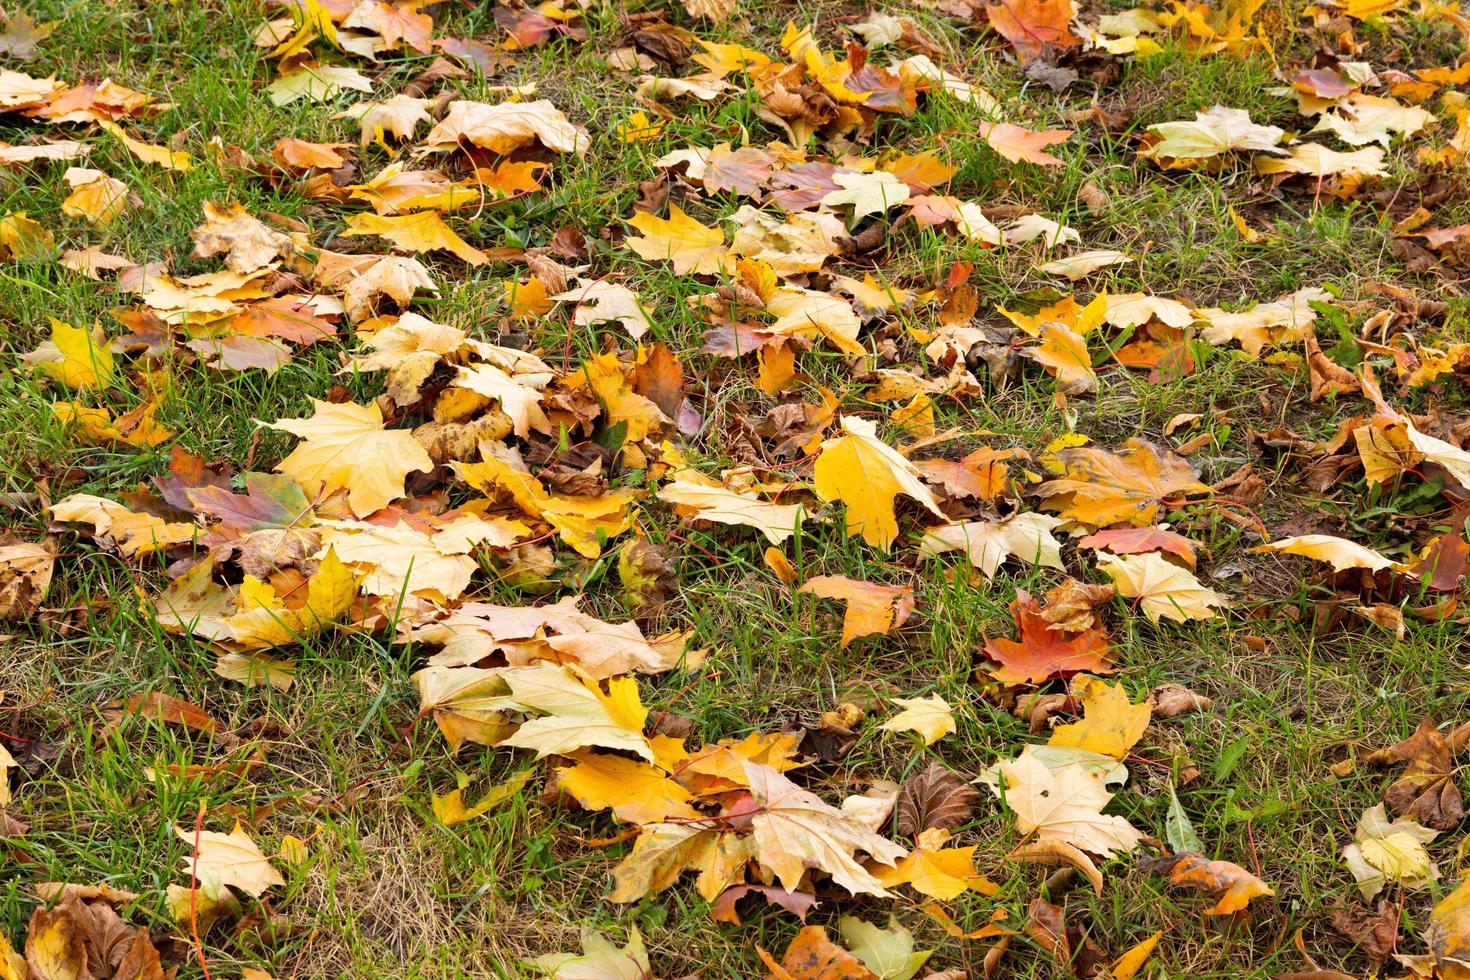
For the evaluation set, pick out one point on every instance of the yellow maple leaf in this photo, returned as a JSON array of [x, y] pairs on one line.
[[424, 231], [230, 860], [931, 717], [75, 356], [795, 830], [689, 245], [574, 712], [1110, 724], [1162, 588], [871, 608], [664, 851], [1065, 356], [639, 128], [451, 809], [346, 447], [95, 196], [866, 474], [1340, 553], [266, 620], [636, 791], [528, 300]]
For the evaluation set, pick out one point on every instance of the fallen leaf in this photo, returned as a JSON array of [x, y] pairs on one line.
[[689, 246], [889, 952], [931, 717], [1162, 589], [866, 475], [871, 608], [1064, 805], [813, 956], [794, 831], [421, 232], [1043, 652], [346, 447], [228, 861], [1384, 852], [1232, 886], [934, 799], [1110, 725], [1019, 145]]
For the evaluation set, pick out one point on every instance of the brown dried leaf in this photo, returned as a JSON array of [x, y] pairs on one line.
[[1426, 790], [935, 799], [1172, 700]]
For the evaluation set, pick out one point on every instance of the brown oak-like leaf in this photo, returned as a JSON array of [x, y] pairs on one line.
[[935, 798], [1376, 935], [1073, 606], [1173, 700]]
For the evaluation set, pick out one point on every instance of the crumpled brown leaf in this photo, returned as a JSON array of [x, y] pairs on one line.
[[1173, 700], [1073, 605], [1426, 790], [1067, 942], [1376, 935]]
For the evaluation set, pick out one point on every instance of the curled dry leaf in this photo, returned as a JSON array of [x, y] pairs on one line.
[[1053, 853], [1173, 700], [1232, 886]]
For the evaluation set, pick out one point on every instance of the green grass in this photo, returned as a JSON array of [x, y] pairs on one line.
[[386, 890]]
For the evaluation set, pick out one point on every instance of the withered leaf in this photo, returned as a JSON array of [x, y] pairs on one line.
[[1426, 790], [935, 798]]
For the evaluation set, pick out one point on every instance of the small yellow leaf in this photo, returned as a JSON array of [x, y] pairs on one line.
[[147, 152], [1126, 967], [931, 717], [1110, 724]]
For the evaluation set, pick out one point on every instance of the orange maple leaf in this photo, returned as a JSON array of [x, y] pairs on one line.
[[1042, 652], [1033, 26]]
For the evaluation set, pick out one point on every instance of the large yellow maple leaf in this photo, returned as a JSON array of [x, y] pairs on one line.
[[1110, 723], [424, 231], [795, 830], [866, 474], [689, 245], [346, 447]]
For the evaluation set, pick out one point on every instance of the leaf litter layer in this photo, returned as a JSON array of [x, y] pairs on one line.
[[543, 427]]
